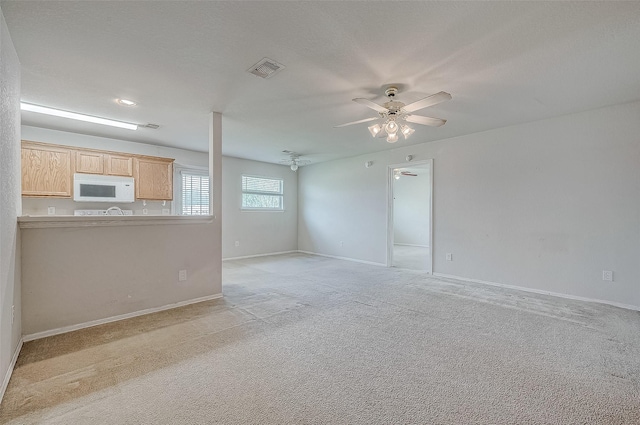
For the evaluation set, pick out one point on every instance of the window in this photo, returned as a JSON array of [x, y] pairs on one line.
[[259, 193], [195, 193]]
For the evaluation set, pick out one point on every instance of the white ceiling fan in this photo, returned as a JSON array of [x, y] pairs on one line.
[[393, 115], [294, 160], [398, 173]]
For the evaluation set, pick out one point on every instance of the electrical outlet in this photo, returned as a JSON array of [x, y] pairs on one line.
[[449, 256], [166, 211], [341, 243], [237, 243], [145, 211], [51, 210], [13, 313], [607, 275], [182, 275]]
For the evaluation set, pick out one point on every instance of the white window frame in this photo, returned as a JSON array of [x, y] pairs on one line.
[[194, 171], [250, 209]]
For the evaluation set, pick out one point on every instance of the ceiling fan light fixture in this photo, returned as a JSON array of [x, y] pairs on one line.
[[391, 127], [294, 167], [394, 113], [406, 131], [375, 129]]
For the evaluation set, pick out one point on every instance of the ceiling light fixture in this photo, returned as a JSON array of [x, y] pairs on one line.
[[294, 161], [126, 102], [391, 127], [75, 116], [375, 129], [393, 114], [406, 131]]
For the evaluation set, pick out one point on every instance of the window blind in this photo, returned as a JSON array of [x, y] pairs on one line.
[[195, 194], [260, 193]]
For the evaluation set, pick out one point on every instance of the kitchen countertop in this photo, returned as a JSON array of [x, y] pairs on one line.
[[44, 221]]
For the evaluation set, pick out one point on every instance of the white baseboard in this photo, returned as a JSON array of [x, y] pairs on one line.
[[12, 365], [343, 258], [65, 329], [260, 255], [539, 291], [411, 244]]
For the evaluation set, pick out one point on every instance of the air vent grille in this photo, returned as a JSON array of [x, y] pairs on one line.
[[266, 68], [152, 126]]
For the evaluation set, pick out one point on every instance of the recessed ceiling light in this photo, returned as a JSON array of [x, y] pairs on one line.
[[126, 102], [76, 116]]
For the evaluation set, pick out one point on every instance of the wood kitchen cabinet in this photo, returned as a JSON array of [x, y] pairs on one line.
[[89, 162], [154, 178], [96, 162], [46, 170], [118, 165]]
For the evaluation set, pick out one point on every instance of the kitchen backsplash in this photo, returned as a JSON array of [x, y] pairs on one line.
[[40, 206]]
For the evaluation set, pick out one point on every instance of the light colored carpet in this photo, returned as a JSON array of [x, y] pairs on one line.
[[411, 257], [311, 340]]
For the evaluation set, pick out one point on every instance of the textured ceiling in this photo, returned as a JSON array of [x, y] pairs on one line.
[[504, 63]]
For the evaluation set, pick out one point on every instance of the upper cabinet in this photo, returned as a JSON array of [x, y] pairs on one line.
[[93, 162], [154, 178], [46, 170], [89, 162], [118, 165]]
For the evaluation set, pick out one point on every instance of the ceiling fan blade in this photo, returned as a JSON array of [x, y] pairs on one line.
[[427, 101], [370, 104], [356, 122], [434, 122]]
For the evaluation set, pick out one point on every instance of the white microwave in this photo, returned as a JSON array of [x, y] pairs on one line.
[[97, 188]]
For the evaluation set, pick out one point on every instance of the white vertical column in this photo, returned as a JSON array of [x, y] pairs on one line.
[[215, 164]]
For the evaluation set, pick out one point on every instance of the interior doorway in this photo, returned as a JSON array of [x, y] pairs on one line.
[[409, 233]]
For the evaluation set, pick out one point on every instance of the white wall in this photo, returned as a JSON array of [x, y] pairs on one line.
[[258, 232], [411, 209], [10, 331], [38, 206], [546, 205]]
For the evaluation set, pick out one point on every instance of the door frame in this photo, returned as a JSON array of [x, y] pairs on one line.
[[390, 169]]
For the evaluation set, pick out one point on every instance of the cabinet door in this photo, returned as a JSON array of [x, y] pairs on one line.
[[118, 165], [154, 178], [46, 171], [89, 162]]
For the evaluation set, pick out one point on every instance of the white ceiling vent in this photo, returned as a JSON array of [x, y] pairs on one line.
[[266, 68], [152, 126]]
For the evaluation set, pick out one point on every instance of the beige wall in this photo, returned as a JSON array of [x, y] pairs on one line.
[[77, 275], [10, 330]]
